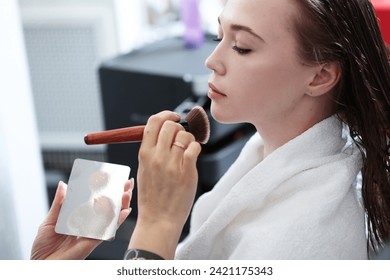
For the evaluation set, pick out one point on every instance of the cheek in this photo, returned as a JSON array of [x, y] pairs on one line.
[[255, 89], [274, 80], [262, 96]]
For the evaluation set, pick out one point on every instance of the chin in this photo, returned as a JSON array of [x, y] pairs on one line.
[[221, 117]]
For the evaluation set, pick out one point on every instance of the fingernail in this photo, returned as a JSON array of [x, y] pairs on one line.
[[61, 184], [132, 184]]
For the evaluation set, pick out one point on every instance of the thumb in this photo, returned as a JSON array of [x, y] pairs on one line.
[[57, 203]]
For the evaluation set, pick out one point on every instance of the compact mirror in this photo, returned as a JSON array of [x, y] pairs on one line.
[[93, 200]]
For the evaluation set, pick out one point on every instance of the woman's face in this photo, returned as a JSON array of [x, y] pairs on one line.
[[257, 75]]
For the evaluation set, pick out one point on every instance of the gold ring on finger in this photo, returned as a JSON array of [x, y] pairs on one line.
[[179, 144]]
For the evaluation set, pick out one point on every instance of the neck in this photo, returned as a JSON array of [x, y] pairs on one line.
[[278, 131]]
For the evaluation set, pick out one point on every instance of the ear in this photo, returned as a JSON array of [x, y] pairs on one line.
[[325, 79]]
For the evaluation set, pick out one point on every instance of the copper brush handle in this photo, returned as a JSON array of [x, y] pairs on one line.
[[120, 135]]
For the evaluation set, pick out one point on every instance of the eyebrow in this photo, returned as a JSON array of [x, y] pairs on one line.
[[238, 27]]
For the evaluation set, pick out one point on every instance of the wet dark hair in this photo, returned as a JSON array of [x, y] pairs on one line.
[[347, 32], [388, 51]]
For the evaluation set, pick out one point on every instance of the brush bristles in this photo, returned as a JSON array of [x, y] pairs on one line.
[[199, 124]]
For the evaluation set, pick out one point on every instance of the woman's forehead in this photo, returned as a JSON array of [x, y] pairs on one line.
[[262, 16], [257, 12]]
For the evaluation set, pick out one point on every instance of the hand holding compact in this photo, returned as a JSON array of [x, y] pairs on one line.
[[50, 245]]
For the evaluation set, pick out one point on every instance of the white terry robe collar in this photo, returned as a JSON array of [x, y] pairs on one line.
[[297, 203]]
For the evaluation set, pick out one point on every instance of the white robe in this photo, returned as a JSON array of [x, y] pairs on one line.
[[299, 202]]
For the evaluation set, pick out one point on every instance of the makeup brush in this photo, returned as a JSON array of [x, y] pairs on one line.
[[195, 122]]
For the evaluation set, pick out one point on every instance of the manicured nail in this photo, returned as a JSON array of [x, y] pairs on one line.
[[132, 184]]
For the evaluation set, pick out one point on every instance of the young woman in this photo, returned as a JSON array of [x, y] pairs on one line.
[[313, 77]]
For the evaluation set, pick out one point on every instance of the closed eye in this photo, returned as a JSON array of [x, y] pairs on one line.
[[241, 50]]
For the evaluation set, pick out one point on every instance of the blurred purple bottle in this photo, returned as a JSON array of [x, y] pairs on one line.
[[193, 34]]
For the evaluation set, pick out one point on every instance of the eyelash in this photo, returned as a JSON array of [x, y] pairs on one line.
[[240, 51]]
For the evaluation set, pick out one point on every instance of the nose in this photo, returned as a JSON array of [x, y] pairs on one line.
[[214, 62]]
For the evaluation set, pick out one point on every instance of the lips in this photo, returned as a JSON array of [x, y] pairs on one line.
[[215, 90]]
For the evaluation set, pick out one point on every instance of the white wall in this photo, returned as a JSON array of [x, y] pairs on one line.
[[23, 198]]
